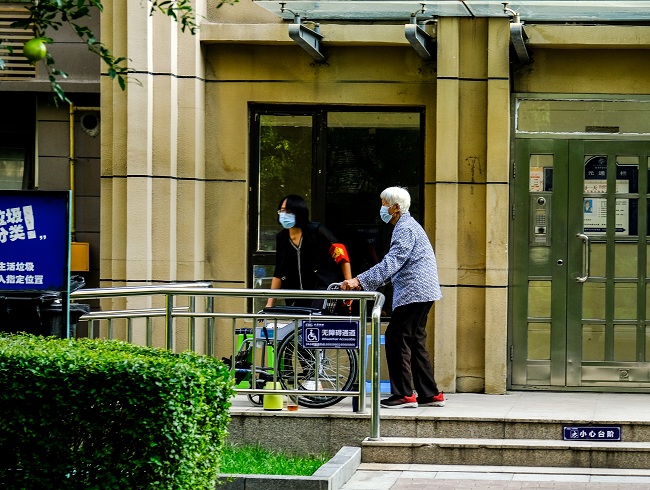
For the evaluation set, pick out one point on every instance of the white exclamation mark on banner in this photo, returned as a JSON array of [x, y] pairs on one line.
[[28, 216]]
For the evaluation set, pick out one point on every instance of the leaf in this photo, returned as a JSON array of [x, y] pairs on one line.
[[53, 14], [82, 12], [20, 24], [58, 91]]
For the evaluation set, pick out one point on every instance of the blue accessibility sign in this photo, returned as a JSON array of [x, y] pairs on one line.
[[330, 334], [593, 433]]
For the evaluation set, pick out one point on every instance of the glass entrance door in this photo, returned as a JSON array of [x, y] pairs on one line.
[[339, 159], [579, 277]]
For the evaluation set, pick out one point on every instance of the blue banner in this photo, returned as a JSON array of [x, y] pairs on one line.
[[34, 240]]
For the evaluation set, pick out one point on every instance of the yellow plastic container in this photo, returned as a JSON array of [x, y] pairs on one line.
[[80, 257], [273, 402]]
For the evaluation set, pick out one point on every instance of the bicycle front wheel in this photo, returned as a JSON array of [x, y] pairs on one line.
[[322, 369]]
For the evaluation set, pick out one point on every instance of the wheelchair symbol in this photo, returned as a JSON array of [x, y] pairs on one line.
[[312, 335]]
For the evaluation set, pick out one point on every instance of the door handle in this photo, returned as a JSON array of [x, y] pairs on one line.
[[585, 258]]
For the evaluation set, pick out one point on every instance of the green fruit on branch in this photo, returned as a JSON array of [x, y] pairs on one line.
[[34, 49]]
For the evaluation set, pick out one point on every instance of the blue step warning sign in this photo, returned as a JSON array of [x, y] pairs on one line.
[[333, 334], [593, 433]]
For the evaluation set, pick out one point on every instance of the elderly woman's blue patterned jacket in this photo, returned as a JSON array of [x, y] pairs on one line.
[[410, 264]]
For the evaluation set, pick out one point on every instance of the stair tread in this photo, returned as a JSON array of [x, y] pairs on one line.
[[551, 470], [480, 442]]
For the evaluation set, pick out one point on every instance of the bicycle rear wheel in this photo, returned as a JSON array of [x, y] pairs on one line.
[[337, 370]]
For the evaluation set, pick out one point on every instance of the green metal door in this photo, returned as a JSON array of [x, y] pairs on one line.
[[579, 298]]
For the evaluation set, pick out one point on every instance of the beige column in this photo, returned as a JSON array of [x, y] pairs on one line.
[[153, 165], [496, 245], [471, 193], [446, 199]]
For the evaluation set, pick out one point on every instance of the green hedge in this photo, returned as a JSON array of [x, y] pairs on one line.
[[97, 414]]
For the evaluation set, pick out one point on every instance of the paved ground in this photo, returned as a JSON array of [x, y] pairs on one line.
[[535, 405], [373, 477], [584, 408]]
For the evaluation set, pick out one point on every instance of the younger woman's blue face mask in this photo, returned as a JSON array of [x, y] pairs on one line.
[[287, 220], [384, 214]]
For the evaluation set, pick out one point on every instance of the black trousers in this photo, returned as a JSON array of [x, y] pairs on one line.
[[406, 353]]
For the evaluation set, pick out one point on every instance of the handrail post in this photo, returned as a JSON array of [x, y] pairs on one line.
[[209, 338], [129, 330], [149, 333], [376, 383], [234, 346], [192, 325], [363, 359], [169, 321], [191, 333]]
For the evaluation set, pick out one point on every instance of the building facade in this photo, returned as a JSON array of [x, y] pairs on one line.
[[522, 135], [48, 145]]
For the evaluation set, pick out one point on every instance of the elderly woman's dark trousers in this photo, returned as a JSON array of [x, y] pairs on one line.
[[406, 353]]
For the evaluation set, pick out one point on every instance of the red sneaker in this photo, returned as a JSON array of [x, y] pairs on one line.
[[399, 401], [432, 401]]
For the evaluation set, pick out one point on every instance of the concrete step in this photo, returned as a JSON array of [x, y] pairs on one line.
[[515, 416], [315, 431], [507, 452], [440, 427]]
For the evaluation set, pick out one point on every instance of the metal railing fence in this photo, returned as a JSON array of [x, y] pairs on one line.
[[171, 293]]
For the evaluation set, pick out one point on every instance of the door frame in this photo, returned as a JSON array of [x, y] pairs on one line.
[[319, 209]]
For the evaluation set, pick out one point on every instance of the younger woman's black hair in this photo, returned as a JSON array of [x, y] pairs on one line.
[[297, 206]]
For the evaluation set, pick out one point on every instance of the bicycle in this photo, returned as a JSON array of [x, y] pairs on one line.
[[294, 366]]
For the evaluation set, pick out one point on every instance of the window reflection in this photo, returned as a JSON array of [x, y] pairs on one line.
[[582, 116], [625, 343], [361, 151], [540, 173], [539, 341], [595, 207], [539, 299], [625, 301], [285, 168], [12, 167], [593, 342], [593, 300], [625, 260]]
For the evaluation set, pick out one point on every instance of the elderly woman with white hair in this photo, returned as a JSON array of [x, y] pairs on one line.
[[411, 266]]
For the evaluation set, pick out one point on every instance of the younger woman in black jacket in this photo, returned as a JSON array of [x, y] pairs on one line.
[[307, 254]]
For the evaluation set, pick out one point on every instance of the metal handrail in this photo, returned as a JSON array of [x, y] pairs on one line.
[[193, 290], [142, 313]]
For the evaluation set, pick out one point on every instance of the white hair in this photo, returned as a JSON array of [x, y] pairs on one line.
[[397, 195]]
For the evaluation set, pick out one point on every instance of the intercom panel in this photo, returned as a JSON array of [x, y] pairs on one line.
[[540, 220]]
